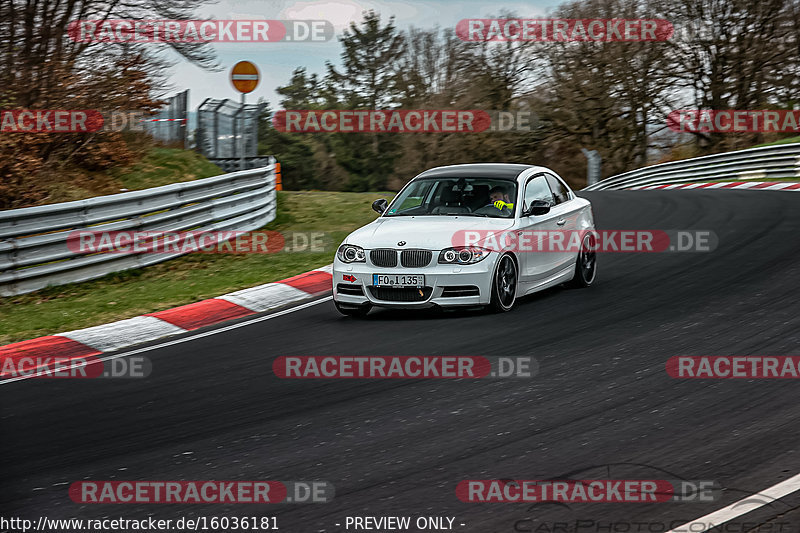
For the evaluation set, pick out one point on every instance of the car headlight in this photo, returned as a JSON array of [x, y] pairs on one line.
[[463, 255], [349, 253]]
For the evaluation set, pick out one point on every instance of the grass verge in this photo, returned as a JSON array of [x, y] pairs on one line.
[[162, 166], [156, 166], [189, 278], [782, 141]]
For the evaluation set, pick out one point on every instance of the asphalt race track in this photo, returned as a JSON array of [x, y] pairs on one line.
[[602, 405]]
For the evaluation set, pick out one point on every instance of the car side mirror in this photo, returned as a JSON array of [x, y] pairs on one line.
[[380, 205], [539, 207]]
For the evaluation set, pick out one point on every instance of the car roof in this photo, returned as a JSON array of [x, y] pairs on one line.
[[508, 171]]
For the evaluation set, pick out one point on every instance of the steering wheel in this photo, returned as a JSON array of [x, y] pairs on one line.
[[491, 210]]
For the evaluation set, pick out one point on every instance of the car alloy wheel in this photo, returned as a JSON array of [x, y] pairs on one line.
[[586, 265], [504, 284]]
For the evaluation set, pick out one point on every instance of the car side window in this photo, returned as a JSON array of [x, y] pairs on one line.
[[537, 189], [560, 192]]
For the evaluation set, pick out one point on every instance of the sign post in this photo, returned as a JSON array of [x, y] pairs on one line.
[[593, 171], [244, 77]]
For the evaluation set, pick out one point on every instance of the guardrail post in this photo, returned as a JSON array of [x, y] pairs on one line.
[[593, 171]]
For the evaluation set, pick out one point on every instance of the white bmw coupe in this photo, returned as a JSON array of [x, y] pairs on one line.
[[467, 235]]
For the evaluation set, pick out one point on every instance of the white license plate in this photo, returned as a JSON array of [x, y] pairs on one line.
[[398, 280]]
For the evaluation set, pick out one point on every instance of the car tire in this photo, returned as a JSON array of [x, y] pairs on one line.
[[504, 284], [355, 311], [585, 264]]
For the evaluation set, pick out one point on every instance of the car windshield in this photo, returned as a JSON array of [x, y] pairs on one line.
[[478, 197]]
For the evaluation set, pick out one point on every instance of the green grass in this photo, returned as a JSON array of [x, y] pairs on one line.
[[189, 278], [782, 141], [156, 166], [162, 166]]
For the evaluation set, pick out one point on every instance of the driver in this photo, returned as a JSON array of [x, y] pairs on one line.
[[499, 198]]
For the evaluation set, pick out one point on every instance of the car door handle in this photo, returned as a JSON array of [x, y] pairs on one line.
[[561, 221]]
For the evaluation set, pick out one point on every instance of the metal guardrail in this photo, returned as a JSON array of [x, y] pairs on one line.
[[764, 163], [232, 165], [33, 240]]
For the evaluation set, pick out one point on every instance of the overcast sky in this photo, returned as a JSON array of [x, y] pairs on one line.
[[276, 61]]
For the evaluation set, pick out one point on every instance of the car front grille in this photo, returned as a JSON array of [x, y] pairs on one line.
[[415, 258], [387, 257], [383, 257], [401, 294]]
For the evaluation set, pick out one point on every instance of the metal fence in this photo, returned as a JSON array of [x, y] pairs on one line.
[[232, 165], [227, 130], [765, 163], [33, 241], [169, 125]]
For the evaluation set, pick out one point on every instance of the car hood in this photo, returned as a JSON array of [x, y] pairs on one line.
[[426, 232]]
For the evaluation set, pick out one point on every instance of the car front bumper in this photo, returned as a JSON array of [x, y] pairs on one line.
[[444, 284]]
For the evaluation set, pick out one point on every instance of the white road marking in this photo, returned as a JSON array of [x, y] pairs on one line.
[[99, 359], [777, 186], [265, 297], [717, 185], [744, 506], [123, 333]]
